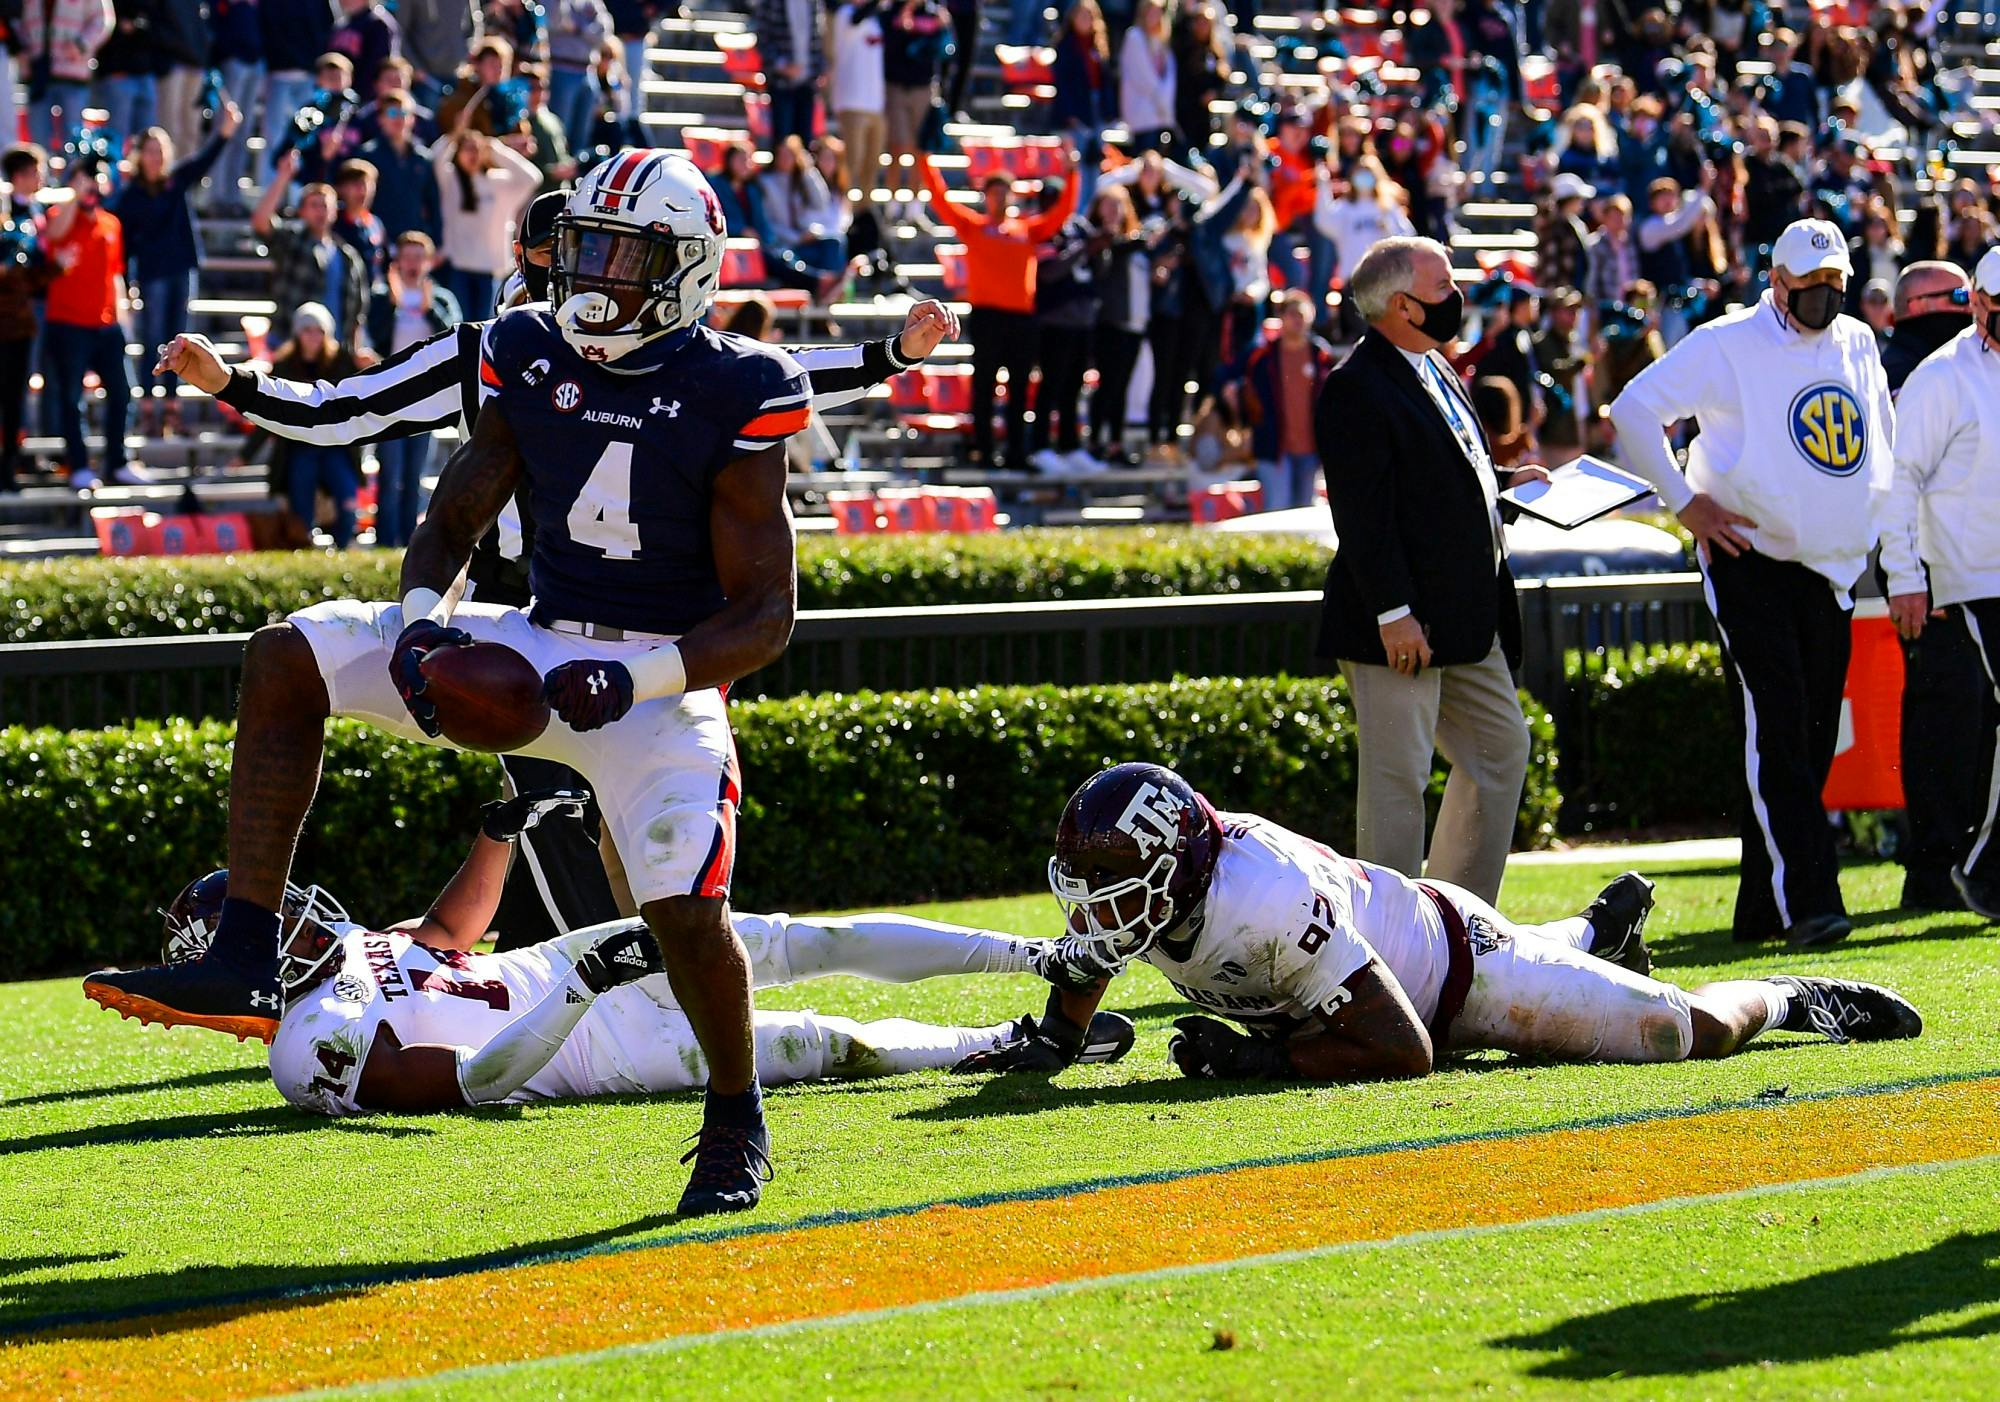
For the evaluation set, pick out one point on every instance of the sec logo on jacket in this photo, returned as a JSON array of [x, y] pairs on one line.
[[1829, 428]]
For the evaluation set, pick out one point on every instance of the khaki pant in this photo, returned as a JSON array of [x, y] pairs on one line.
[[1472, 716], [863, 132]]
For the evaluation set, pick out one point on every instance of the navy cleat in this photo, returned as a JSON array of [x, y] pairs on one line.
[[209, 992], [732, 1163], [1618, 923], [1845, 1010]]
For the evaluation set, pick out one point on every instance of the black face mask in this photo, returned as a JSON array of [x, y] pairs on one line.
[[1814, 307], [535, 278], [1441, 320]]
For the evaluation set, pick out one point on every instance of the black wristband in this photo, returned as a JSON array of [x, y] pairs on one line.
[[1056, 1026], [1265, 1058]]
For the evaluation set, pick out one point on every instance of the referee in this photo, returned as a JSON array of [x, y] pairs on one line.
[[560, 883], [1780, 494], [1943, 513]]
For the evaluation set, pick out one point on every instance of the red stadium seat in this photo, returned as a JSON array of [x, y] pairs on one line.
[[908, 393], [757, 117], [1225, 501], [705, 145], [984, 155], [1024, 69], [225, 534], [743, 264], [1043, 157], [180, 535], [740, 59], [907, 509], [966, 510], [948, 388], [125, 530], [854, 513]]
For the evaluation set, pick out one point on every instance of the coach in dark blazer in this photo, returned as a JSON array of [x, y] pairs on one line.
[[1420, 609]]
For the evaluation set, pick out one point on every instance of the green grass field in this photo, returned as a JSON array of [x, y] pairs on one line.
[[144, 1171]]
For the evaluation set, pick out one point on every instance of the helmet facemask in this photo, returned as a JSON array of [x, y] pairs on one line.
[[307, 939], [615, 287], [1122, 918]]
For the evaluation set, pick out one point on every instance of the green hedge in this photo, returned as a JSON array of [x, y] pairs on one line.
[[1660, 744], [849, 800], [62, 600]]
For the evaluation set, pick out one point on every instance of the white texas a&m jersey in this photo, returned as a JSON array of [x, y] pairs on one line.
[[432, 996], [1287, 921]]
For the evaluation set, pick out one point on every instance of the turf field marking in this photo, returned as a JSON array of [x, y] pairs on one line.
[[980, 1299], [840, 1217], [426, 1327]]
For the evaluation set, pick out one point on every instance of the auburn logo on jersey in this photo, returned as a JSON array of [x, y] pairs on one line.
[[1829, 428]]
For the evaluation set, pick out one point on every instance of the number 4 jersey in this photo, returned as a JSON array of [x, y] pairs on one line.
[[1287, 921], [431, 996], [621, 461]]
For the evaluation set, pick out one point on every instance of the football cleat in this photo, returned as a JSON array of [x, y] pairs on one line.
[[732, 1163], [1845, 1010], [1618, 923], [207, 992]]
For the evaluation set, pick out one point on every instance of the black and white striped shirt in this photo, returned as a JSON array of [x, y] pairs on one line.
[[434, 385]]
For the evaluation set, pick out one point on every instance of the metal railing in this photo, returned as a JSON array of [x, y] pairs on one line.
[[88, 684]]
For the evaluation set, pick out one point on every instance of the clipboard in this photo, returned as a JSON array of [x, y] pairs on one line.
[[1578, 492]]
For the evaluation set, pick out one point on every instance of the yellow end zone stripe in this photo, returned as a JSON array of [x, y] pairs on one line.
[[418, 1328]]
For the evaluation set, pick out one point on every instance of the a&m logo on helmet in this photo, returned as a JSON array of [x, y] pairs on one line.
[[1152, 819], [1828, 427]]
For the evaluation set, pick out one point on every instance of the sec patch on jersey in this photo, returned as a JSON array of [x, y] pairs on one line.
[[1829, 429]]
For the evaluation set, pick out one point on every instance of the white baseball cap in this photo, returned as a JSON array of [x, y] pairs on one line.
[[1807, 245], [1986, 277], [1571, 186]]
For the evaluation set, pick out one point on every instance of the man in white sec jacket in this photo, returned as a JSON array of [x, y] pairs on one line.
[[1944, 511], [1782, 491]]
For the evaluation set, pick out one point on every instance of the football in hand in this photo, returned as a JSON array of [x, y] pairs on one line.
[[488, 697]]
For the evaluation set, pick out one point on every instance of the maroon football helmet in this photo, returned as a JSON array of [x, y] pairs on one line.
[[1134, 854], [308, 936]]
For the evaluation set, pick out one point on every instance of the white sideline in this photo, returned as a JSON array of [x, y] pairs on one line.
[[1637, 854], [1071, 1287]]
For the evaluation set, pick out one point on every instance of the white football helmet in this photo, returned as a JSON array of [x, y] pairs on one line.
[[638, 253]]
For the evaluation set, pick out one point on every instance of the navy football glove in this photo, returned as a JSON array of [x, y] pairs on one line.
[[406, 660], [505, 819], [620, 958], [589, 694], [1208, 1050]]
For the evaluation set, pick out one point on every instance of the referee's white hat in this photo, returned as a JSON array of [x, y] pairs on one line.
[[1807, 245], [1986, 277]]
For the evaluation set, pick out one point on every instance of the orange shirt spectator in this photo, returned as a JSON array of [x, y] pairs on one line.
[[1294, 185], [999, 258], [89, 256]]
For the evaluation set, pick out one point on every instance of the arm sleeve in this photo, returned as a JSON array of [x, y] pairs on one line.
[[1924, 428], [1361, 490], [1672, 388], [415, 391], [525, 1045], [1190, 182], [779, 405], [842, 374]]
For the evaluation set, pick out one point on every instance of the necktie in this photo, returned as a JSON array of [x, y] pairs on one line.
[[1449, 403]]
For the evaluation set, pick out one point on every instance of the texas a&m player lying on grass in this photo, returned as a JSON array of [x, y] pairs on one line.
[[1343, 971], [410, 1018]]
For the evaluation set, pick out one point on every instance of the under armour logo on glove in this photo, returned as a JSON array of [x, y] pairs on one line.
[[589, 695]]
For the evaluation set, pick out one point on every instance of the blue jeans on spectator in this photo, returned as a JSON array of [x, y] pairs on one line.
[[310, 467], [573, 98], [400, 465], [284, 94], [131, 103], [791, 114], [1288, 482], [163, 315], [631, 97], [474, 290], [822, 255], [241, 81], [44, 128], [73, 352]]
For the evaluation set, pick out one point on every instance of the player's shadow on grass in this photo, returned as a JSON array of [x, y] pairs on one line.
[[1877, 1305], [1716, 946], [1033, 1095], [196, 1297], [232, 1075], [272, 1119]]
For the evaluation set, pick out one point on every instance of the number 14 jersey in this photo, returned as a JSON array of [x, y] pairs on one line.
[[621, 461], [1287, 921]]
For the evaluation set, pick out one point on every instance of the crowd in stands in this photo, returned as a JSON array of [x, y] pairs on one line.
[[1173, 295], [1213, 207]]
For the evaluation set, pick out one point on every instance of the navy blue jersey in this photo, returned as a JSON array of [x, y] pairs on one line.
[[621, 461]]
